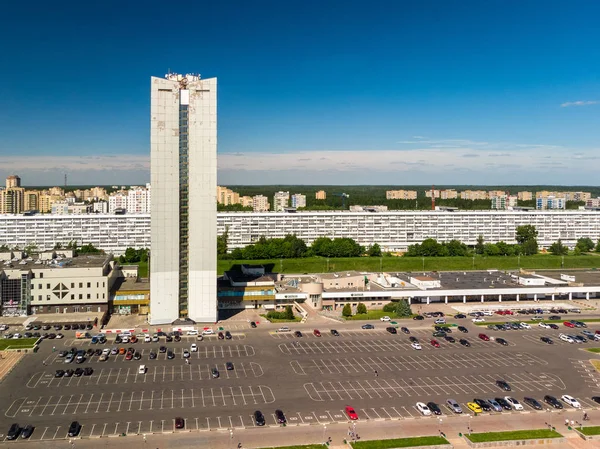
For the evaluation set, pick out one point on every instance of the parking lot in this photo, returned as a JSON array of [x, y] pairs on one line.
[[310, 378]]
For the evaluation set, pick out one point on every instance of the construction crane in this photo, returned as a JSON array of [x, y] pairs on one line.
[[343, 196]]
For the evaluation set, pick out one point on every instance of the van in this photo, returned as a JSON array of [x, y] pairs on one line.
[[142, 369]]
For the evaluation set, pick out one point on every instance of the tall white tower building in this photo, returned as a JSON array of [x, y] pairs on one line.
[[183, 141]]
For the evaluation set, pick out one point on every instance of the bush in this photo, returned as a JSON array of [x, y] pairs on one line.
[[403, 308], [289, 313], [390, 307], [347, 310], [361, 308]]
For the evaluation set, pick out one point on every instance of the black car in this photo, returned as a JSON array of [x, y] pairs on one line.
[[405, 330], [57, 327], [177, 338], [485, 405], [67, 327], [551, 400], [13, 432], [460, 315], [78, 372], [179, 422], [553, 326], [413, 339], [463, 329], [118, 340], [435, 409], [229, 366], [418, 317], [280, 417], [74, 429], [368, 326], [449, 339], [503, 403], [391, 330], [162, 349], [547, 340], [532, 402], [503, 384], [152, 355], [579, 323], [502, 341], [59, 373], [62, 353], [69, 373], [89, 327], [168, 338], [170, 355], [464, 342], [27, 431], [554, 317], [259, 418], [88, 371], [298, 334], [28, 335], [596, 399], [215, 373], [334, 333], [579, 338], [228, 335], [252, 324], [221, 336], [90, 352], [439, 334], [137, 356], [46, 327], [98, 352]]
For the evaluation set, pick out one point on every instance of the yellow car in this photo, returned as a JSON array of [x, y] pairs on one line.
[[474, 407]]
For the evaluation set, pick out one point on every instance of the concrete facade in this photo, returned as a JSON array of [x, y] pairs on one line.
[[184, 183]]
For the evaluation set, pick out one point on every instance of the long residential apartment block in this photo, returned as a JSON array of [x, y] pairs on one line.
[[393, 230]]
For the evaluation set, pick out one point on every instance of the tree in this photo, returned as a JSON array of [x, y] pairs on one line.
[[374, 250], [491, 249], [222, 243], [598, 246], [89, 249], [403, 308], [347, 311], [525, 233], [585, 244], [289, 313], [361, 308], [558, 249], [479, 246], [456, 248], [390, 307], [529, 248], [5, 248]]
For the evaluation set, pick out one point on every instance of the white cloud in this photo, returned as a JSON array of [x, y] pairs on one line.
[[579, 103]]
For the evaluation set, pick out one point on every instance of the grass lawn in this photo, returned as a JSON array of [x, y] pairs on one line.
[[375, 315], [592, 430], [399, 442], [594, 350], [596, 364], [513, 435], [320, 264], [21, 343], [296, 319]]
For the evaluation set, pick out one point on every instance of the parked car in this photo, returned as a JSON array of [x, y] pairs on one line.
[[259, 418], [532, 403], [179, 422], [280, 417], [454, 406], [74, 429], [423, 409], [351, 413]]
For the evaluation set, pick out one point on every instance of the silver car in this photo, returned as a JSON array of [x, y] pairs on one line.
[[495, 406], [454, 406]]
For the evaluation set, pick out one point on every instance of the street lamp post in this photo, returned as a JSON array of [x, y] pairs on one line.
[[230, 437], [423, 264], [324, 432]]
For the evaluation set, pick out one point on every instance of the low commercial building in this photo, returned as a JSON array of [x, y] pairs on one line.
[[56, 282], [131, 295]]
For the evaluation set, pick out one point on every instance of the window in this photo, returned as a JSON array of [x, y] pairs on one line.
[[97, 284], [57, 310], [89, 285], [75, 308], [88, 309], [39, 286], [80, 296], [41, 275], [48, 286], [72, 284], [81, 285], [89, 296], [103, 295], [104, 284], [39, 297], [32, 286], [48, 299], [72, 296], [97, 295]]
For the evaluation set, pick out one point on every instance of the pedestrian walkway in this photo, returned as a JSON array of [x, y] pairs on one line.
[[8, 360]]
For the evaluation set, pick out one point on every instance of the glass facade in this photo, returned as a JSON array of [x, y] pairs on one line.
[[183, 210]]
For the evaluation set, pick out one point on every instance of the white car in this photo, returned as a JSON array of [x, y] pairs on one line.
[[155, 338], [106, 351], [478, 320], [207, 332], [565, 337], [544, 325], [124, 339], [194, 347], [422, 407], [440, 321], [192, 332], [3, 327], [142, 369], [571, 401], [525, 326], [488, 313], [515, 404], [147, 338], [17, 336], [281, 329], [385, 318], [59, 336], [416, 346], [186, 354], [538, 317]]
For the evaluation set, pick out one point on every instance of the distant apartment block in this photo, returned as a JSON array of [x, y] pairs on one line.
[[100, 207], [260, 203], [13, 181], [474, 195], [495, 193], [401, 194], [227, 197], [46, 202], [503, 202], [246, 201], [65, 208], [32, 200], [448, 194], [12, 200], [117, 201], [321, 195], [281, 201], [525, 196], [139, 200], [298, 200], [568, 196], [436, 193], [550, 202]]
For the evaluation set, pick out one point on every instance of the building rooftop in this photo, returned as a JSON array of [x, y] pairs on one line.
[[131, 284], [33, 263]]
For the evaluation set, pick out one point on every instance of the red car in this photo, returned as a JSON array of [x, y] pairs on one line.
[[500, 312], [484, 337], [351, 413], [568, 324], [435, 343], [317, 333], [508, 312], [129, 356], [179, 422], [598, 331]]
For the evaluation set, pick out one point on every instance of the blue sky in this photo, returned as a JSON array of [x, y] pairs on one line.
[[312, 92]]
